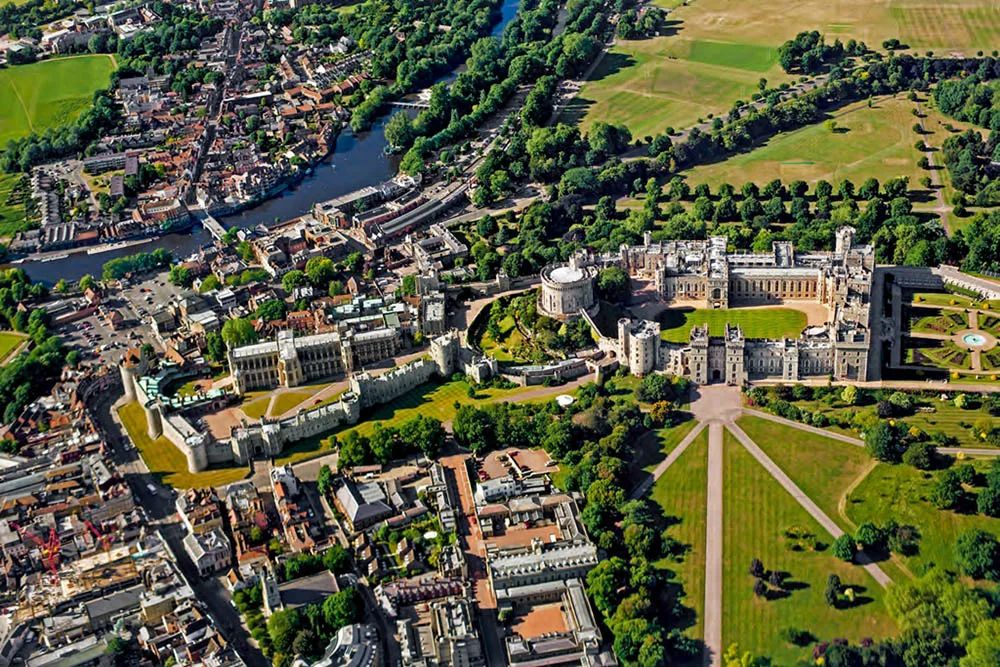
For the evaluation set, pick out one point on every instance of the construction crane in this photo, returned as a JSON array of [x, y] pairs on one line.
[[49, 549], [100, 538]]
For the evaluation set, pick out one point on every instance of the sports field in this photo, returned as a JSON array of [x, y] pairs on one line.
[[9, 341], [763, 521], [868, 142], [774, 322], [50, 93], [718, 49]]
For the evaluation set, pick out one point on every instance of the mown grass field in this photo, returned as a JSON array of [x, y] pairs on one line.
[[868, 142], [756, 322], [9, 341], [681, 492], [650, 85], [903, 493], [166, 461], [717, 51], [668, 439], [823, 468], [758, 512], [50, 93]]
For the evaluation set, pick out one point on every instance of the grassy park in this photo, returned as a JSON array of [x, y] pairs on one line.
[[50, 93], [775, 322], [902, 492], [9, 341], [681, 492], [167, 462], [865, 142], [763, 521], [715, 51]]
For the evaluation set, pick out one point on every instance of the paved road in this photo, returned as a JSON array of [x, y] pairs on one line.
[[159, 509], [713, 549], [805, 501], [647, 483]]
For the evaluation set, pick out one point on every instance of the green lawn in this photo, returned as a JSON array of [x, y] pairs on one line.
[[868, 142], [758, 512], [902, 492], [716, 51], [650, 85], [50, 93], [823, 468], [681, 492], [166, 461], [288, 400], [774, 322], [9, 341], [668, 438], [431, 400], [257, 407], [12, 214]]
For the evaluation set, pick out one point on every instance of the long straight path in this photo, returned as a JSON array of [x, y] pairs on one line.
[[713, 548], [805, 501], [647, 483]]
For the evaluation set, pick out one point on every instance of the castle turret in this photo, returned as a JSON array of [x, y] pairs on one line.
[[154, 420], [844, 240]]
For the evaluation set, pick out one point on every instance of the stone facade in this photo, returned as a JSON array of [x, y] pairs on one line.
[[567, 288], [289, 360], [704, 270]]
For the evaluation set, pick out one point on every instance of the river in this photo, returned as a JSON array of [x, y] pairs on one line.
[[358, 160]]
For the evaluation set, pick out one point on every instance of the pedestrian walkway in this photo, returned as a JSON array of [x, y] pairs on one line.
[[713, 549]]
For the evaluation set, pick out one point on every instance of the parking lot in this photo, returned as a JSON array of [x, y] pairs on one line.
[[98, 343]]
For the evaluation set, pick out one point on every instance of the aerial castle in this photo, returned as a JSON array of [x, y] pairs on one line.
[[706, 271], [176, 418]]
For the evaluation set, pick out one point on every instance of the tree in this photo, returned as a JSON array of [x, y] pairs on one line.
[[324, 480], [238, 332], [282, 627], [343, 608], [920, 455], [870, 537], [337, 559], [605, 582], [306, 644], [180, 275], [215, 346], [832, 592], [977, 554], [884, 442], [901, 401], [320, 271], [948, 492], [984, 650], [844, 548], [293, 279], [613, 285], [87, 282], [271, 310], [988, 501], [849, 395]]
